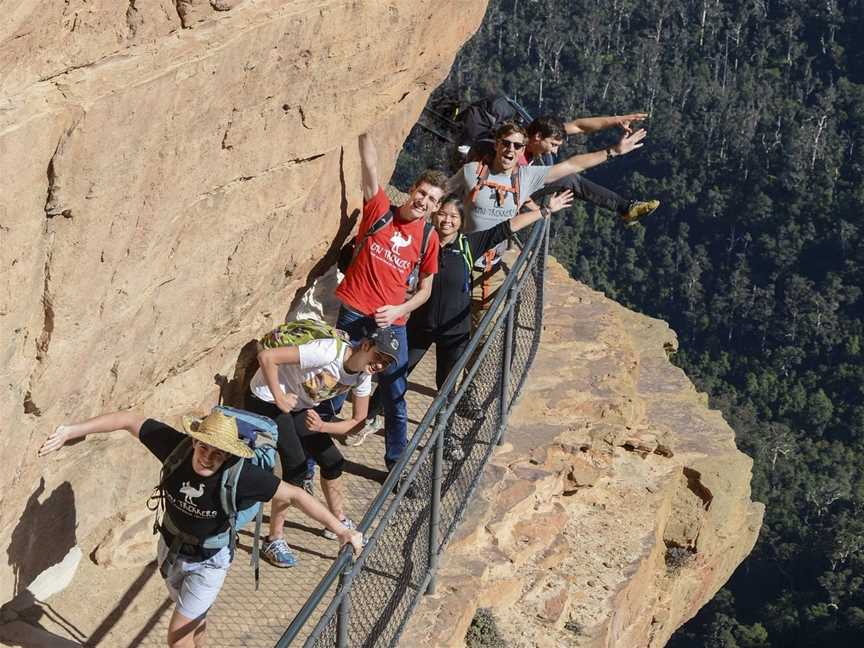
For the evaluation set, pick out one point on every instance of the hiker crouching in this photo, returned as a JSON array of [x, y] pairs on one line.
[[195, 569], [303, 364]]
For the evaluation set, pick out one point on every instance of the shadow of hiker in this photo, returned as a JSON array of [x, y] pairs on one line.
[[20, 627], [43, 537], [233, 392]]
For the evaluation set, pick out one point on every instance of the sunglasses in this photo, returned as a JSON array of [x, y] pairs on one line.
[[517, 146]]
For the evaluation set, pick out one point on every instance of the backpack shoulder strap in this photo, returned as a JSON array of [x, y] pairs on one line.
[[377, 226], [427, 232]]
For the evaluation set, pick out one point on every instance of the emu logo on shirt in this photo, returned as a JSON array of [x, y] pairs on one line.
[[188, 492], [397, 243]]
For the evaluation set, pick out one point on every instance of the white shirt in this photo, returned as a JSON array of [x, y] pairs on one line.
[[320, 376]]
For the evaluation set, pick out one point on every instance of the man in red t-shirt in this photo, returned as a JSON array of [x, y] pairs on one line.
[[375, 291]]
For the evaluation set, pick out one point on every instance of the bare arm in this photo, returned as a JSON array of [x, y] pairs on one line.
[[594, 124], [579, 163], [129, 421], [386, 315], [556, 203], [269, 360], [340, 427], [311, 507], [369, 166]]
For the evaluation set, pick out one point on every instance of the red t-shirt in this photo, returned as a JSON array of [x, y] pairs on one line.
[[378, 276]]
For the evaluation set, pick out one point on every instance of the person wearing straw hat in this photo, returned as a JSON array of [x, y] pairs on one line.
[[192, 500]]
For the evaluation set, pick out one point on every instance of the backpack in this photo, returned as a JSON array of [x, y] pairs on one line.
[[500, 189], [351, 249], [482, 118], [302, 331], [261, 433], [468, 258]]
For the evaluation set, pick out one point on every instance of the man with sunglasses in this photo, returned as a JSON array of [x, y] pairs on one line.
[[494, 190]]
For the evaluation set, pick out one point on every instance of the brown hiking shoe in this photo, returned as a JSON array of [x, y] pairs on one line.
[[637, 209]]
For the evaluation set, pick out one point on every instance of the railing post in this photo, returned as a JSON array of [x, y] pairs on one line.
[[510, 310], [435, 509], [343, 614]]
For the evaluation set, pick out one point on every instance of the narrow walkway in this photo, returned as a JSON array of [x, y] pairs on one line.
[[245, 618]]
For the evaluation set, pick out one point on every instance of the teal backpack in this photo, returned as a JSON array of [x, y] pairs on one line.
[[261, 433]]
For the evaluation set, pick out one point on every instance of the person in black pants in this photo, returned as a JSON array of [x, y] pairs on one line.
[[445, 319]]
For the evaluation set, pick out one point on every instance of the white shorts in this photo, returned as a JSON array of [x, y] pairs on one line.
[[194, 586]]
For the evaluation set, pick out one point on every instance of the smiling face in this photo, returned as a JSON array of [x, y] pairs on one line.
[[423, 199], [539, 145], [507, 150], [207, 460], [447, 221], [368, 359]]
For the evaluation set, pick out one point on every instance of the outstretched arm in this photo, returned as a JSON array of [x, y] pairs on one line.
[[369, 165], [579, 163], [556, 203], [269, 361], [339, 427], [129, 421], [594, 124], [289, 495]]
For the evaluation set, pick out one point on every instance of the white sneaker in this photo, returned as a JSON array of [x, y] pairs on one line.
[[327, 533], [371, 427]]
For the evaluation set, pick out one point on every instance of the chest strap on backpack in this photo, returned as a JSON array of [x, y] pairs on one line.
[[501, 190]]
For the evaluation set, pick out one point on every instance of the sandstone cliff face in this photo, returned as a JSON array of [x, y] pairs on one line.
[[618, 505], [174, 172]]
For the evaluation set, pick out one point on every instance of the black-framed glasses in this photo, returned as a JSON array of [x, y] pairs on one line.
[[517, 146]]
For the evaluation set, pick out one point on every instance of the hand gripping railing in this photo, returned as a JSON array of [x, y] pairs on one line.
[[372, 598]]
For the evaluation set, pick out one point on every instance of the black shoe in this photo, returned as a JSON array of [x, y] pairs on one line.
[[411, 493]]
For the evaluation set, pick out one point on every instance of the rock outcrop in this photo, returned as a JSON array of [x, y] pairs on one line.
[[618, 505], [174, 173]]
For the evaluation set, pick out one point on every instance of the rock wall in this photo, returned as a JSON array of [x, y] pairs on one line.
[[174, 174], [618, 505]]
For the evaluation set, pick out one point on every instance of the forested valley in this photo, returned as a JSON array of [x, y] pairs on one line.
[[756, 149]]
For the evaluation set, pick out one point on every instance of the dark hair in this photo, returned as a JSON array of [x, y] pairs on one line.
[[453, 199], [508, 128], [547, 126], [433, 177]]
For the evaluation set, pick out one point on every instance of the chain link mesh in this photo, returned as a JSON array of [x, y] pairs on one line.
[[397, 565]]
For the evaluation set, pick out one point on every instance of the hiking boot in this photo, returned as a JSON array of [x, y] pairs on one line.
[[348, 522], [637, 209], [371, 427], [452, 450], [411, 493], [277, 553]]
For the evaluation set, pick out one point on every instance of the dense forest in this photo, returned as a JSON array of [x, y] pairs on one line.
[[756, 150]]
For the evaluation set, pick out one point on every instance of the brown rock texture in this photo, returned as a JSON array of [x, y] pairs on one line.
[[618, 505], [174, 174]]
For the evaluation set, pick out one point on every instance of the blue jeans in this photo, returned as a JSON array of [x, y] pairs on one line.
[[392, 383]]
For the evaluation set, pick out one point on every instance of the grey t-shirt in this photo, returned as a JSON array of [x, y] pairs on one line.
[[485, 213]]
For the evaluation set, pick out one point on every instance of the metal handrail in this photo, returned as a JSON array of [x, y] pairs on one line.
[[343, 570]]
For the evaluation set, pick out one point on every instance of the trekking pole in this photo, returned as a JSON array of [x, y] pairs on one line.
[[343, 614], [435, 510], [510, 313]]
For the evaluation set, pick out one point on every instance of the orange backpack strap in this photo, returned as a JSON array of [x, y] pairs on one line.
[[482, 174], [485, 285]]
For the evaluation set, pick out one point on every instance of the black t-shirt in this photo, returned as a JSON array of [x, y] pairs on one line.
[[448, 309], [193, 501]]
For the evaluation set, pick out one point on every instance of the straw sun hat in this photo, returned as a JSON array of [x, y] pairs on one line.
[[217, 430]]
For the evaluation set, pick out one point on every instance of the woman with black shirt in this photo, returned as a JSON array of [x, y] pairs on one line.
[[445, 318]]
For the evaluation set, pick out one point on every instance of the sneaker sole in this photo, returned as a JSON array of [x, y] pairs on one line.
[[358, 439], [280, 565]]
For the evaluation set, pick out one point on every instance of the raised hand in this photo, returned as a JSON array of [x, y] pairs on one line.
[[624, 121], [56, 440], [630, 142], [561, 201]]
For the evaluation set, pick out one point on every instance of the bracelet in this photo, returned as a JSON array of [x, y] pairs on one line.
[[545, 212], [610, 153]]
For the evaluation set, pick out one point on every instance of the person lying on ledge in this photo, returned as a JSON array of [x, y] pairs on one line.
[[194, 570]]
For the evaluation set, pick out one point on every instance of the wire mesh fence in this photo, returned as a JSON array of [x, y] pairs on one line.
[[366, 603]]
